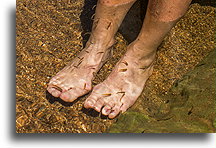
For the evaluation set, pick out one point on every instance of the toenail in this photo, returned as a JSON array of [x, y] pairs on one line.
[[62, 86], [55, 93], [97, 108], [112, 113], [54, 83], [105, 111], [90, 103]]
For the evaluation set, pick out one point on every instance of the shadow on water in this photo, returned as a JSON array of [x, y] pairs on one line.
[[52, 99], [137, 12], [133, 21], [86, 19], [205, 2], [93, 113], [89, 112]]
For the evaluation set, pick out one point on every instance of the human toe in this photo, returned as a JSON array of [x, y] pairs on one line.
[[54, 92], [106, 110], [90, 101], [124, 107], [98, 105], [69, 96], [115, 111]]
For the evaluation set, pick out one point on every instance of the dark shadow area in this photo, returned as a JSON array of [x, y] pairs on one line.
[[129, 28], [86, 19], [90, 112], [52, 99], [93, 113], [133, 21], [205, 2]]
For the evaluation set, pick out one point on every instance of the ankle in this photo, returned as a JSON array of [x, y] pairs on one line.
[[141, 55], [142, 48], [102, 33], [100, 42]]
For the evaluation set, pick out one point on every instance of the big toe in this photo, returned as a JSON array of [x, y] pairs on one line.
[[72, 94], [98, 105], [124, 107], [90, 101], [69, 96], [55, 92]]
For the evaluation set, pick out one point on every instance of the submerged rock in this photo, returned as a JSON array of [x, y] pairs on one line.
[[190, 104]]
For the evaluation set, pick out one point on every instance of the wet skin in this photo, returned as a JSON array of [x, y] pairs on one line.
[[75, 79], [124, 85], [127, 80], [118, 92]]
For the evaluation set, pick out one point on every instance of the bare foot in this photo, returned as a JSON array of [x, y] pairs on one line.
[[75, 79], [124, 85]]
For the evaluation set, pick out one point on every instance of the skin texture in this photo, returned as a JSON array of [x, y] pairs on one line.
[[124, 85], [75, 79], [126, 82], [168, 10]]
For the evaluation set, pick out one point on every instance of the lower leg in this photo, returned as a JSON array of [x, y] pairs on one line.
[[75, 79], [126, 82], [160, 17], [108, 17]]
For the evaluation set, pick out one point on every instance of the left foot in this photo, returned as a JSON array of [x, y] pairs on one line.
[[125, 84]]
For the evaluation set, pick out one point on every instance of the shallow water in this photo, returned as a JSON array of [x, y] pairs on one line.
[[49, 35]]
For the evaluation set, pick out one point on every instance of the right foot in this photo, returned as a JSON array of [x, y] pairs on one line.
[[75, 79]]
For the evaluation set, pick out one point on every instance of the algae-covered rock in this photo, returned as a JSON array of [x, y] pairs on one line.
[[130, 122], [191, 103]]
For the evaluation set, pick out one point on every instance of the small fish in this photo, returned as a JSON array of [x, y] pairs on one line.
[[122, 70], [80, 58], [57, 87], [121, 92], [84, 86], [79, 63], [125, 63], [144, 68], [109, 25], [100, 52], [107, 95]]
